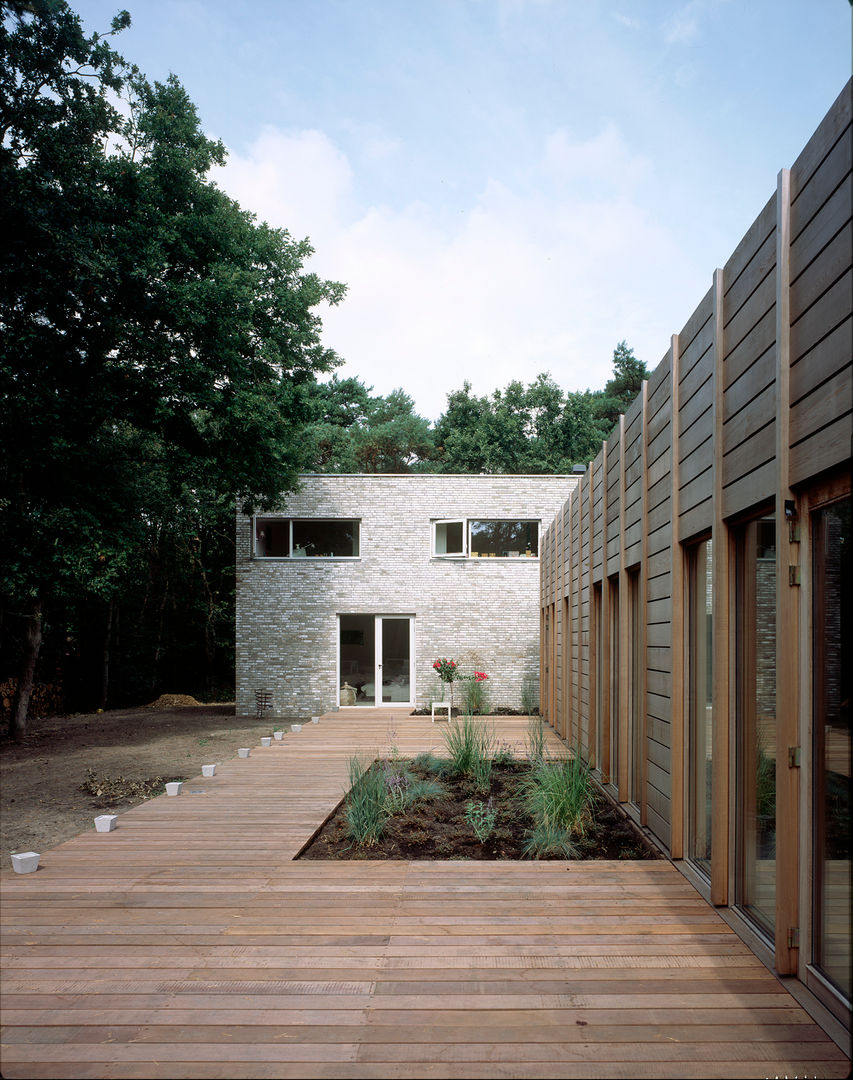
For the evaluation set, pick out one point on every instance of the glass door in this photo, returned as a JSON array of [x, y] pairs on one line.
[[756, 671], [376, 658], [832, 648]]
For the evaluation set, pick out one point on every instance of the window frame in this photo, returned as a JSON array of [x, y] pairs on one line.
[[290, 557], [466, 521]]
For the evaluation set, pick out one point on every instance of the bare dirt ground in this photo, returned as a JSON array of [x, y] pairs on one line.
[[42, 802]]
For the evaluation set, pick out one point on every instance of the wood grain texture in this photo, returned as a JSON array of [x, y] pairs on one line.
[[188, 943]]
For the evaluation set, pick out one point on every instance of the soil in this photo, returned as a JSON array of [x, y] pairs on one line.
[[438, 829], [68, 769]]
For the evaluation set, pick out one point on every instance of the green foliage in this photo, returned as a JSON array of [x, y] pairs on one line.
[[529, 698], [469, 745], [559, 794], [481, 817], [475, 696], [628, 376], [427, 762], [549, 841], [354, 431], [536, 741], [503, 754], [366, 802], [158, 347]]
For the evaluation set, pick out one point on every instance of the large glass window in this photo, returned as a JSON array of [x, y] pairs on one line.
[[832, 620], [613, 676], [756, 678], [635, 691], [484, 538], [700, 671], [306, 538], [599, 668]]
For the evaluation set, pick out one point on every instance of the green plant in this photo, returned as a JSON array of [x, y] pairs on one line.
[[529, 698], [558, 794], [366, 809], [468, 742], [504, 754], [427, 762], [537, 751], [475, 693], [481, 817], [545, 841]]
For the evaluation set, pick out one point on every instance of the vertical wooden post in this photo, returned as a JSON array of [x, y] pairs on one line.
[[570, 589], [624, 633], [787, 609], [721, 691], [678, 646]]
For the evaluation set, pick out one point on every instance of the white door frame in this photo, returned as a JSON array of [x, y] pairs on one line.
[[377, 661]]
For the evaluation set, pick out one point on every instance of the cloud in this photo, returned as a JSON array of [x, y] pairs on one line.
[[550, 277], [627, 21], [682, 27]]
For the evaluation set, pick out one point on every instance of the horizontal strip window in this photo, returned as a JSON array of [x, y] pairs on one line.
[[306, 538], [485, 538]]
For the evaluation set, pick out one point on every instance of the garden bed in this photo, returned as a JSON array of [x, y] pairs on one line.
[[438, 828]]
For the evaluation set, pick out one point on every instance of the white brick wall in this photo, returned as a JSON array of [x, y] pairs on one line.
[[482, 611]]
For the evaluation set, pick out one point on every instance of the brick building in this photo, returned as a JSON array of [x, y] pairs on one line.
[[365, 579]]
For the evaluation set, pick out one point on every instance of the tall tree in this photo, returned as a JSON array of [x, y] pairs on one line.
[[148, 325], [628, 376]]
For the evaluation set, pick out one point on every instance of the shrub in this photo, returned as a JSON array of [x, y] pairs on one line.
[[545, 841], [427, 762], [475, 695], [366, 810], [536, 741], [529, 698], [468, 744], [481, 817], [558, 795]]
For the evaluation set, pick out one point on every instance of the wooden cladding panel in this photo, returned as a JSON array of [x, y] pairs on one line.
[[826, 136], [752, 242], [826, 223], [723, 461], [694, 324], [822, 273]]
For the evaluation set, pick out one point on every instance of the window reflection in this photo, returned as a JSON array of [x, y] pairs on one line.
[[756, 661], [700, 677], [832, 642]]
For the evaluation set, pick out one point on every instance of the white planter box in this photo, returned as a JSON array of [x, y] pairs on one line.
[[105, 822], [243, 751], [208, 770], [25, 862], [174, 787], [266, 740], [279, 735], [295, 727], [315, 719]]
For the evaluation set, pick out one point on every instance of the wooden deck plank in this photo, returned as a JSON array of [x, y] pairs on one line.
[[189, 943]]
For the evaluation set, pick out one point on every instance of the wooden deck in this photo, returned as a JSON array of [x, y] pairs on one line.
[[187, 943]]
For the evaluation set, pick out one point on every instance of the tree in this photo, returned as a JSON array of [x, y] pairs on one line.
[[628, 376], [355, 431], [533, 429], [158, 344]]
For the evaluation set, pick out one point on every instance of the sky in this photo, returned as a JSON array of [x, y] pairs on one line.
[[506, 187]]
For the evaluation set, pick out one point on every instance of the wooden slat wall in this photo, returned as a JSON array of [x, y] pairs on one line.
[[673, 456], [749, 401], [821, 289], [696, 422]]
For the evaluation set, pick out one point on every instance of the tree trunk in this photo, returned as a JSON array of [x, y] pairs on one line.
[[105, 666], [18, 724]]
